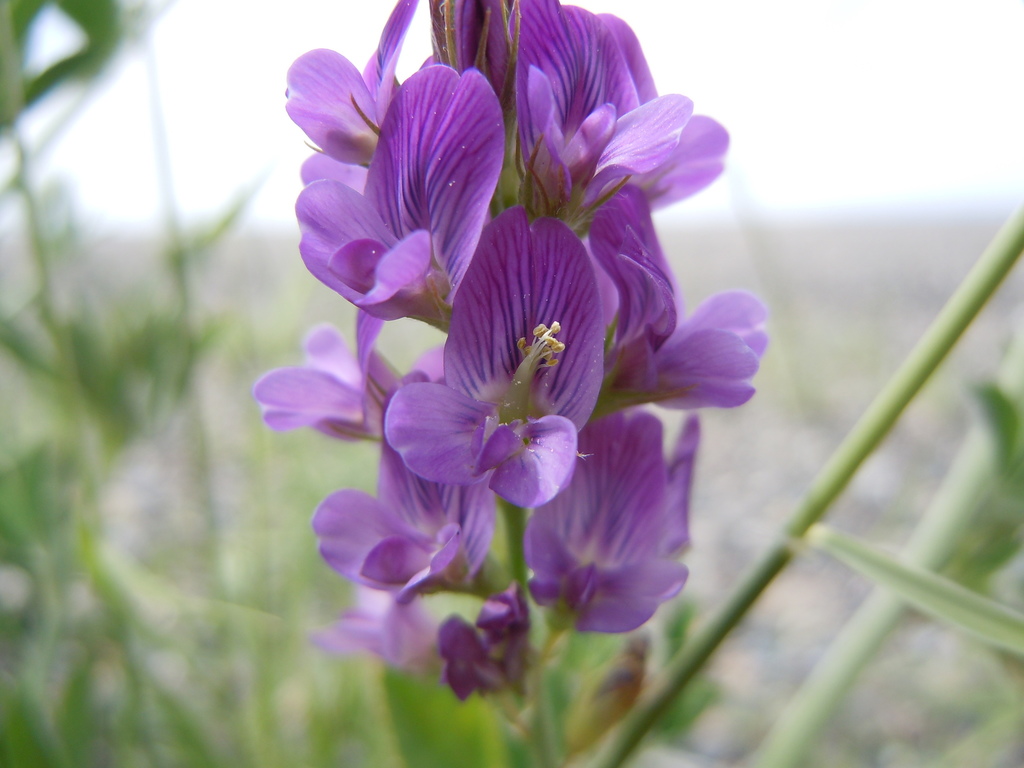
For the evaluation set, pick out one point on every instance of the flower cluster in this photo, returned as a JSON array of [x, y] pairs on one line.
[[503, 194]]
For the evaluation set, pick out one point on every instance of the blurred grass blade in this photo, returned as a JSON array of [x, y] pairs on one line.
[[938, 597], [1003, 420], [26, 739]]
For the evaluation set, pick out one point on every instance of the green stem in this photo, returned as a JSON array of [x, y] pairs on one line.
[[965, 487], [958, 313], [515, 527]]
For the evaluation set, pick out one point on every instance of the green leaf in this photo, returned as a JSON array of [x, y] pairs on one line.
[[938, 597], [436, 730], [1003, 419]]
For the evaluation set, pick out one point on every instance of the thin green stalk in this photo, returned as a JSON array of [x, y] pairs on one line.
[[969, 481], [515, 527], [958, 313]]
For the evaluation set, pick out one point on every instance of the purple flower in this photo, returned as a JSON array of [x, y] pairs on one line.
[[603, 550], [481, 37], [401, 634], [523, 367], [706, 360], [335, 393], [589, 115], [467, 666], [340, 109], [402, 247], [493, 657], [415, 537]]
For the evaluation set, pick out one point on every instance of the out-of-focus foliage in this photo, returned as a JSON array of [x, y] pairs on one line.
[[103, 24]]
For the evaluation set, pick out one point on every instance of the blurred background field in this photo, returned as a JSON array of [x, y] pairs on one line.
[[158, 576]]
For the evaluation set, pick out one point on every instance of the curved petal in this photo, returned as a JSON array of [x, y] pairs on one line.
[[300, 397], [737, 311], [391, 282], [627, 597], [325, 96], [331, 215], [394, 560], [437, 431], [644, 139], [327, 351], [437, 164], [543, 467], [709, 367], [379, 74], [636, 62], [323, 166], [696, 161], [350, 525]]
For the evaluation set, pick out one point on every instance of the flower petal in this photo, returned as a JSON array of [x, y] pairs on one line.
[[696, 161], [437, 164], [521, 277], [627, 597], [300, 397], [325, 96], [437, 431], [709, 367], [543, 467], [737, 311], [323, 166], [332, 215], [644, 139]]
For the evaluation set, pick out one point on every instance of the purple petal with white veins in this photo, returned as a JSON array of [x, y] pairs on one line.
[[543, 467], [438, 160], [420, 502], [696, 161], [709, 367], [737, 311], [325, 96], [437, 431], [521, 277], [647, 306], [323, 166]]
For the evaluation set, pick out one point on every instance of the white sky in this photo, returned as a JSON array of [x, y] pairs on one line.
[[834, 106]]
